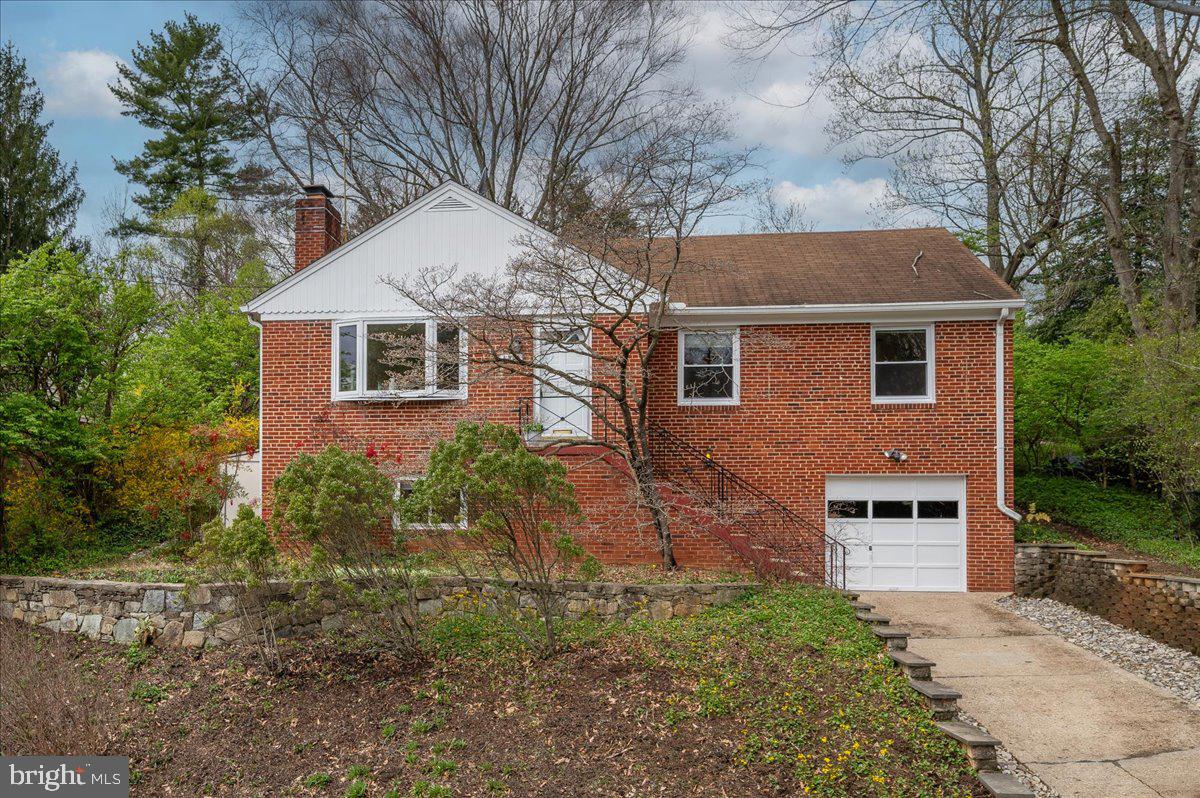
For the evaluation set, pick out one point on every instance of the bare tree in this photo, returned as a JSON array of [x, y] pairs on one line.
[[980, 128], [1114, 50], [389, 98], [601, 290], [773, 216]]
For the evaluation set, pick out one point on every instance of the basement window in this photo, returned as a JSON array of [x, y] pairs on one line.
[[450, 519], [398, 359], [902, 364]]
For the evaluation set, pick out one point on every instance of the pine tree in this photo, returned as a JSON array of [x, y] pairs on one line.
[[181, 85], [39, 194]]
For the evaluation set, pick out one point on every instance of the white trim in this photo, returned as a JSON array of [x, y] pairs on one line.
[[397, 522], [890, 312], [685, 401], [930, 395], [360, 392]]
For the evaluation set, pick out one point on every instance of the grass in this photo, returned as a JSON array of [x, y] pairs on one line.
[[1138, 521]]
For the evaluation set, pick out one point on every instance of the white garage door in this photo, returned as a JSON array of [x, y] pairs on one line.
[[902, 533]]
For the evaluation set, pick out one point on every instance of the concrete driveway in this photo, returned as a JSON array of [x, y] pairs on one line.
[[1088, 728]]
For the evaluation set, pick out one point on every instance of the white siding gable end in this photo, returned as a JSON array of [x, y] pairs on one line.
[[448, 227]]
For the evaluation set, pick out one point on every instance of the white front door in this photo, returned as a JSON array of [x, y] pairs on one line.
[[560, 409], [901, 533]]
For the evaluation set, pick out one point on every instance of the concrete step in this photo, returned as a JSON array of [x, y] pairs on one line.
[[896, 639], [979, 746], [850, 595], [862, 605], [1002, 785], [941, 700], [914, 665], [873, 618]]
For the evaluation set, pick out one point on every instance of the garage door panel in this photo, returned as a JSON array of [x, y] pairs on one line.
[[939, 533], [938, 555], [893, 555], [848, 488], [938, 579], [893, 489], [892, 578], [938, 487], [891, 532]]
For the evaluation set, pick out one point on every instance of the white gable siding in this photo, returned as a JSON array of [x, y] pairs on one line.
[[450, 226]]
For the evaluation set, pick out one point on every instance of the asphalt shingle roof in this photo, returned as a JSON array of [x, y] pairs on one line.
[[858, 267]]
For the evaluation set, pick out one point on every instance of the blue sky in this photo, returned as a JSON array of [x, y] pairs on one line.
[[72, 49]]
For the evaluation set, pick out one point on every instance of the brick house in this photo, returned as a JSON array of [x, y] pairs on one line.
[[853, 390]]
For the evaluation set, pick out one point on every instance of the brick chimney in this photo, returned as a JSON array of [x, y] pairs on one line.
[[318, 225]]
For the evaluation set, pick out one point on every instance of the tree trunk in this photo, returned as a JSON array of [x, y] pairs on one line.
[[648, 488]]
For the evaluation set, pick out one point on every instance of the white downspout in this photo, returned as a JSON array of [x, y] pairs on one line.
[[259, 450], [1000, 430]]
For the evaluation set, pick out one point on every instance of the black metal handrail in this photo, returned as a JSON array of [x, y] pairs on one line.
[[768, 522]]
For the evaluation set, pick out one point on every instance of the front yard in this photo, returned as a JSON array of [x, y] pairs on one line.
[[781, 693]]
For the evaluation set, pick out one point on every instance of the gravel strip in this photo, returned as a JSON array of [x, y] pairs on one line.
[[1010, 765], [1168, 667]]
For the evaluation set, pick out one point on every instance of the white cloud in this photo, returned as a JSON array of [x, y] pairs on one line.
[[76, 84], [840, 204], [773, 99]]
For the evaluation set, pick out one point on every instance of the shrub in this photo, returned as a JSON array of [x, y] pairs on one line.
[[243, 554], [521, 509], [337, 502]]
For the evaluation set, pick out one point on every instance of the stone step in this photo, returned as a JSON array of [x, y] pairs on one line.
[[914, 665], [862, 605], [1002, 785], [980, 746], [873, 618], [941, 700], [896, 639], [849, 595]]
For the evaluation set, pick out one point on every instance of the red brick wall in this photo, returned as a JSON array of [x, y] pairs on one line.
[[805, 413]]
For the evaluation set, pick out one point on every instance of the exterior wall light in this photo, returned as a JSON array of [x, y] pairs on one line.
[[895, 454]]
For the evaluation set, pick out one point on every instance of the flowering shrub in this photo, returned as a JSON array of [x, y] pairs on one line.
[[173, 476]]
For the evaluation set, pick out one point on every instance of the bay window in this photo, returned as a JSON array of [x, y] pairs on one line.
[[404, 359]]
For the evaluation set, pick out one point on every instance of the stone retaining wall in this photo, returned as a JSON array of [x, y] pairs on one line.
[[206, 615], [1166, 608]]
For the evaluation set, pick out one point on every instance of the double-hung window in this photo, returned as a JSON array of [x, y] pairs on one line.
[[709, 367], [403, 359], [902, 364]]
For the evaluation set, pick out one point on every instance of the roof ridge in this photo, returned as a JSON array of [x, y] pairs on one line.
[[823, 232]]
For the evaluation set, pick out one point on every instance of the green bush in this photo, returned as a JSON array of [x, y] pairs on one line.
[[244, 555], [1139, 521], [521, 511], [338, 502]]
